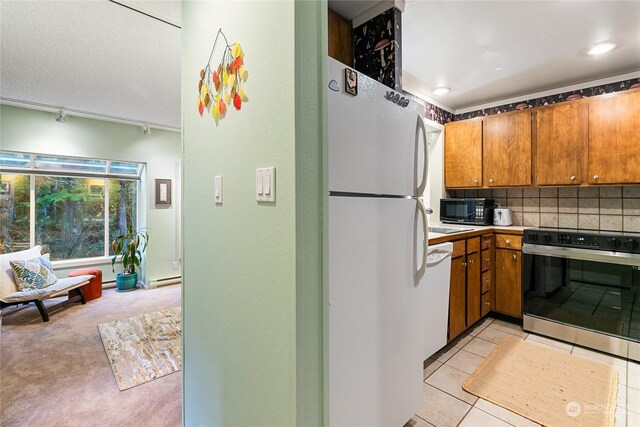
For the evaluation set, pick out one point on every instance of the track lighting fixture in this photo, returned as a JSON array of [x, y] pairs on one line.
[[61, 116]]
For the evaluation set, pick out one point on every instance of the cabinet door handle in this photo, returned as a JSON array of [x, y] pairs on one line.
[[487, 303], [464, 264], [470, 261], [490, 180], [595, 177], [573, 178], [515, 256], [508, 242]]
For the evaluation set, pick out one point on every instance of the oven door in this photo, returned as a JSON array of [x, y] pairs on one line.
[[458, 211], [593, 290]]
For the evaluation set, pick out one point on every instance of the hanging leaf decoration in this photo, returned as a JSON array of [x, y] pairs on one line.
[[220, 87]]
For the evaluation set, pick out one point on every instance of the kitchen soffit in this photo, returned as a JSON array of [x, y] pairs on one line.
[[488, 51]]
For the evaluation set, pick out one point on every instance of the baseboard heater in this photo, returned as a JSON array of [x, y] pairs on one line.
[[165, 281], [107, 284]]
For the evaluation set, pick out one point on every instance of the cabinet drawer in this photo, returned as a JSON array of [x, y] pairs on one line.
[[507, 241], [485, 305], [473, 245], [486, 260], [487, 241], [459, 248], [486, 281]]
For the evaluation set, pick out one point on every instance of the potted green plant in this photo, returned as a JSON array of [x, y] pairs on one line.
[[130, 247]]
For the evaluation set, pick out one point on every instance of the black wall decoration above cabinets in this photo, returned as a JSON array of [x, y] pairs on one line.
[[376, 48]]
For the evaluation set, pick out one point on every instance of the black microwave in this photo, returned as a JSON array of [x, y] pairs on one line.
[[467, 211]]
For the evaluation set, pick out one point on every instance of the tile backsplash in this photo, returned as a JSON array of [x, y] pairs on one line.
[[596, 208]]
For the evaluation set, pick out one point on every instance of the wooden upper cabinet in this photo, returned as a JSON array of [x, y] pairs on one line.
[[561, 135], [614, 139], [507, 149], [463, 154], [340, 39]]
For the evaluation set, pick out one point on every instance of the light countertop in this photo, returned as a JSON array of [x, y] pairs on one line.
[[473, 230]]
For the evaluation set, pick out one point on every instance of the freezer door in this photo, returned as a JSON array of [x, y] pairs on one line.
[[376, 311], [375, 146]]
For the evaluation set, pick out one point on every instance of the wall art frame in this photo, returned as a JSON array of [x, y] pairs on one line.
[[163, 192]]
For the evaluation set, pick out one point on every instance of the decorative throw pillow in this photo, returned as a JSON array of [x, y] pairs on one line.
[[34, 273]]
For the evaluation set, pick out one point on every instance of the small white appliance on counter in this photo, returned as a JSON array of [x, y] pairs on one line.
[[502, 216], [438, 278], [378, 303]]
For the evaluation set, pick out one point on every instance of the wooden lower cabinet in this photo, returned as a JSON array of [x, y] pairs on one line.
[[485, 306], [473, 288], [464, 293], [457, 297], [484, 279], [508, 289], [486, 282]]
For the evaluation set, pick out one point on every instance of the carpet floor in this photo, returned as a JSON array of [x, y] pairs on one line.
[[57, 373]]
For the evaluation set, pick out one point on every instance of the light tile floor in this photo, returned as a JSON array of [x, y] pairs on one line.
[[446, 404]]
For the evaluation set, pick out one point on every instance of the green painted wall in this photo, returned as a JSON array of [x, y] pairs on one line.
[[37, 132], [311, 48], [251, 355]]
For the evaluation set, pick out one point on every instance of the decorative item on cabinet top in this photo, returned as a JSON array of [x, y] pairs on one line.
[[376, 48], [220, 87]]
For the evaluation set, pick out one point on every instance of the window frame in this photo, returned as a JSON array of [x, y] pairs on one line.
[[32, 172], [32, 169]]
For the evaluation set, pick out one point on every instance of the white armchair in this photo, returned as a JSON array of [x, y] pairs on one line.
[[11, 295]]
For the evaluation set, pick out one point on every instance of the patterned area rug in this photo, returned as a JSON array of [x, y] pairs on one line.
[[143, 348]]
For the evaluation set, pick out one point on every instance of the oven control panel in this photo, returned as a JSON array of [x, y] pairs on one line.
[[584, 239]]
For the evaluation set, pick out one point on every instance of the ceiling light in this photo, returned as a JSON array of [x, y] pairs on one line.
[[441, 90], [600, 48], [146, 129], [61, 116]]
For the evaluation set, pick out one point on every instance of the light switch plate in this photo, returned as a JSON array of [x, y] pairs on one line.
[[266, 184], [217, 190]]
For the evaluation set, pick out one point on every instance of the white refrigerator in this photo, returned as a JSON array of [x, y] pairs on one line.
[[377, 228]]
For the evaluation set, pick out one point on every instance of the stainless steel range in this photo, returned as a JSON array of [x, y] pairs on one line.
[[583, 287]]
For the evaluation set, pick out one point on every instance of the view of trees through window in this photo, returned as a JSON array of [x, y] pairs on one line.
[[14, 212], [70, 216], [123, 195], [70, 213]]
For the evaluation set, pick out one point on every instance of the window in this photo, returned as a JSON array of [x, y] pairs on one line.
[[122, 207], [77, 205], [70, 216], [14, 212]]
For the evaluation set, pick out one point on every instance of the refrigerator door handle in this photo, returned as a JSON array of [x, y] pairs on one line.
[[420, 271], [425, 167]]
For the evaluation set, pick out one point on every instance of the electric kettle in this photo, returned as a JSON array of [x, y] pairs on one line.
[[502, 216]]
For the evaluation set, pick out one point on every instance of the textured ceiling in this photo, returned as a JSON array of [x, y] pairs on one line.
[[488, 51], [93, 56]]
